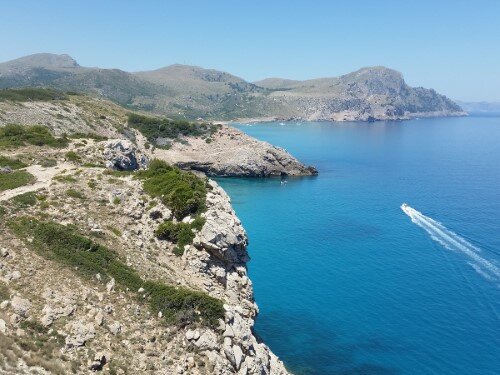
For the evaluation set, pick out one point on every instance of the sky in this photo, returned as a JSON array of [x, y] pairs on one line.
[[452, 46]]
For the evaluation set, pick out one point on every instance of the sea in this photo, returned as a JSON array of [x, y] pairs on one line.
[[388, 261]]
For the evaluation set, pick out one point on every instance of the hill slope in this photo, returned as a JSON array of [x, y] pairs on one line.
[[374, 93]]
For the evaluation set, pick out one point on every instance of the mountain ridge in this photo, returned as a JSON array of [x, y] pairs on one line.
[[185, 91]]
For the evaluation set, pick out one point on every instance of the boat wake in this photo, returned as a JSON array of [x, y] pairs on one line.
[[452, 241]]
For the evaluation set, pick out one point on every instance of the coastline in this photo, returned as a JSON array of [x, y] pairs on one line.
[[342, 118]]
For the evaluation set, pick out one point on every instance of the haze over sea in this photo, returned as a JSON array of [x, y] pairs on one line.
[[349, 283]]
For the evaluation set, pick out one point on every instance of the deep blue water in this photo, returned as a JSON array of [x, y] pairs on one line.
[[345, 281]]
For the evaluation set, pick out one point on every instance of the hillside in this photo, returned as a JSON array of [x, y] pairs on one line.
[[117, 263], [217, 150], [191, 92]]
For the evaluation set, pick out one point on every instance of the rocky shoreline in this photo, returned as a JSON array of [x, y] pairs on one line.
[[345, 117]]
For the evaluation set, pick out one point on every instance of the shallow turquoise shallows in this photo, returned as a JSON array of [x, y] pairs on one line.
[[350, 282]]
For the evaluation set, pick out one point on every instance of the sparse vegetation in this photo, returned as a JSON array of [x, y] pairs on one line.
[[73, 156], [24, 200], [75, 194], [183, 192], [64, 244], [12, 163], [117, 232], [15, 179], [4, 291], [179, 233], [31, 94], [12, 136], [46, 163], [65, 178], [94, 136]]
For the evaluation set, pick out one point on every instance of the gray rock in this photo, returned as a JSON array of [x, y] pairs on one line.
[[120, 154], [192, 334], [80, 333], [20, 306], [115, 328], [207, 341]]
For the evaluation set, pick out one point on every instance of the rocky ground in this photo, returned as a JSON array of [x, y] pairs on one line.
[[52, 320], [229, 152]]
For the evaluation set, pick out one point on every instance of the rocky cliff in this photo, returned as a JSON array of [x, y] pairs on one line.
[[57, 316]]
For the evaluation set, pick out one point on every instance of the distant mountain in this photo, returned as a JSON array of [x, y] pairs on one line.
[[480, 107], [374, 93]]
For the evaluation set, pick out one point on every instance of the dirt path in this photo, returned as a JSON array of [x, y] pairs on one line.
[[43, 178]]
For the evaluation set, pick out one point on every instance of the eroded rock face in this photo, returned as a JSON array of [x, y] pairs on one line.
[[233, 153], [224, 238], [122, 155]]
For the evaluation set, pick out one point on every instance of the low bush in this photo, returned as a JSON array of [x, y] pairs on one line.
[[12, 163], [94, 136], [75, 194], [46, 163], [31, 94], [4, 291], [65, 178], [12, 136], [183, 192], [15, 179], [24, 200], [64, 244], [179, 233], [157, 127], [73, 156]]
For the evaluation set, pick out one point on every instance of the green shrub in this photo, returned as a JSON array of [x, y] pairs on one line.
[[18, 135], [46, 163], [24, 200], [15, 179], [12, 163], [157, 127], [73, 156], [4, 291], [179, 233], [75, 194], [117, 232], [94, 136], [116, 200], [31, 94], [63, 244], [183, 192], [65, 178]]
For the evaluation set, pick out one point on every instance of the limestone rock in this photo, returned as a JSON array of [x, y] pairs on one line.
[[207, 341], [80, 333], [121, 154], [20, 306], [115, 328]]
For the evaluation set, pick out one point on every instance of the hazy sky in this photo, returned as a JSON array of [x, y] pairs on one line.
[[452, 46]]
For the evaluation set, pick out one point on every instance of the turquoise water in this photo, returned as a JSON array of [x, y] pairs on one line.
[[346, 282]]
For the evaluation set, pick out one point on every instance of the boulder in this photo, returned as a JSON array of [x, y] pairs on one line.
[[121, 155], [115, 328], [20, 306], [80, 334]]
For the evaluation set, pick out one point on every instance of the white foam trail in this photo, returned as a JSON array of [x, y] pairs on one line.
[[453, 241]]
